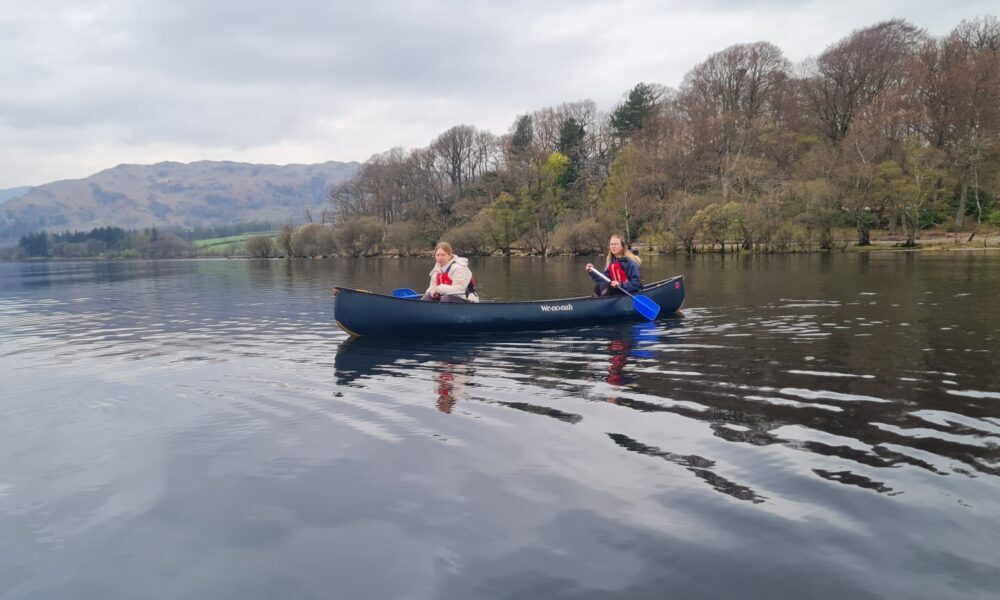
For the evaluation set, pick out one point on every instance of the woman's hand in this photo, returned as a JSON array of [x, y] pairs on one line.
[[589, 267], [614, 284]]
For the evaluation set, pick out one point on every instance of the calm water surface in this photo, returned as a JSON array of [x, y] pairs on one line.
[[812, 426]]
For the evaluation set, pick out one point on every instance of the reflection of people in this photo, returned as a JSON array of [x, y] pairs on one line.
[[619, 359], [622, 268], [450, 387], [451, 279], [446, 384]]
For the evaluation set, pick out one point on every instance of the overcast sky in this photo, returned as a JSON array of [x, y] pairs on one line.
[[88, 85]]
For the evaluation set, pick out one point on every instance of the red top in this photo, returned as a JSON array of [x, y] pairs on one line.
[[442, 278], [617, 273]]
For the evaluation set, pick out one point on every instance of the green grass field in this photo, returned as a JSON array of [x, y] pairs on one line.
[[230, 245]]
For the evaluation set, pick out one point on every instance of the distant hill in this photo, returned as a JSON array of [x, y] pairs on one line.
[[9, 193], [204, 193]]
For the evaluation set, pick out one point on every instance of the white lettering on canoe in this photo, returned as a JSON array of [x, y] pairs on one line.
[[556, 307]]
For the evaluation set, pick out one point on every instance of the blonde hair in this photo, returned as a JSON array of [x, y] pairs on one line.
[[444, 246], [628, 253]]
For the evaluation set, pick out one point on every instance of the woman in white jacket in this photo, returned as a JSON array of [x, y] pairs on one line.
[[451, 279]]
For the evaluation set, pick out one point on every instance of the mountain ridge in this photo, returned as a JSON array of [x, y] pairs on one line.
[[198, 194], [14, 192]]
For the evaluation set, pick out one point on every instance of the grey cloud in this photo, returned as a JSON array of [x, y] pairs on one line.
[[383, 45], [185, 70], [255, 73]]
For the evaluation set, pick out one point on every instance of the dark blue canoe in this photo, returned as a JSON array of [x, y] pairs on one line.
[[359, 312]]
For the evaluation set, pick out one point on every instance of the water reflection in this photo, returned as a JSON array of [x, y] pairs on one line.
[[619, 350], [698, 465], [371, 356], [666, 368], [452, 361], [451, 381], [569, 358], [203, 410]]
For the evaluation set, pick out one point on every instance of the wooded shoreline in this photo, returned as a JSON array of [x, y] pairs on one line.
[[889, 132]]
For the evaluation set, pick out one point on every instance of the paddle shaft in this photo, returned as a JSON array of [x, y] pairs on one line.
[[605, 278]]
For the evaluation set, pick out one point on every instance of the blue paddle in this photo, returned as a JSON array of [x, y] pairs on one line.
[[405, 293], [645, 306]]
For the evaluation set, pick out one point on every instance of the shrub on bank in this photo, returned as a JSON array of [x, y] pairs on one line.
[[261, 246], [313, 240], [404, 237], [469, 239], [359, 236], [583, 237]]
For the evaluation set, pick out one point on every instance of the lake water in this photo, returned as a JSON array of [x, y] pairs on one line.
[[811, 426]]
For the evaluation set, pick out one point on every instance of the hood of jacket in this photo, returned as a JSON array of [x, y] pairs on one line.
[[458, 260]]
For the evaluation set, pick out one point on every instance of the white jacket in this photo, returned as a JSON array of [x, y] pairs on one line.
[[458, 271]]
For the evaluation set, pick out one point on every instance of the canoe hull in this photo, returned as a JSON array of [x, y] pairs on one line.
[[365, 313]]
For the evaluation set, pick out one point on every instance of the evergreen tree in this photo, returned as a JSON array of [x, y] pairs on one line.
[[523, 133], [630, 116], [571, 145], [35, 244]]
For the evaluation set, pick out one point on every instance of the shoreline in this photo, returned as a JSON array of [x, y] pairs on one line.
[[883, 247], [989, 241]]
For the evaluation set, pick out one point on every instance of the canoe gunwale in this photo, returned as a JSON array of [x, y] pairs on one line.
[[643, 291]]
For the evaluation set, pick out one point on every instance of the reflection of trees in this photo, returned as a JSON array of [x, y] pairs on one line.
[[694, 463], [546, 411], [741, 392], [853, 423]]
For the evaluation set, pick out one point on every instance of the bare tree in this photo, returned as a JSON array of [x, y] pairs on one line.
[[453, 151], [955, 82], [850, 74], [729, 99], [429, 190], [486, 154]]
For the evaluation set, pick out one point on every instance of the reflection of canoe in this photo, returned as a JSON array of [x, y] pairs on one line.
[[364, 313], [385, 356]]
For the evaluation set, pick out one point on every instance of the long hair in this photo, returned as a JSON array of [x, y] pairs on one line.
[[626, 252]]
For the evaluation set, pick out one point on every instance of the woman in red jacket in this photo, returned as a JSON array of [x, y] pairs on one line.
[[622, 268]]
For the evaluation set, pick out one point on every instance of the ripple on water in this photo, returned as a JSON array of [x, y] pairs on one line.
[[975, 394], [763, 414], [829, 395]]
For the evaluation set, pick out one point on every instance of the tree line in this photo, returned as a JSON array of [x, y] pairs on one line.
[[101, 242], [888, 129], [150, 242]]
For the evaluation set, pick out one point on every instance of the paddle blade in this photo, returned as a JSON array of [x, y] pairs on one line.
[[646, 307], [406, 293]]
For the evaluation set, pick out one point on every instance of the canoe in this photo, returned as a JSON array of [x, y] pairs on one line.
[[360, 312]]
